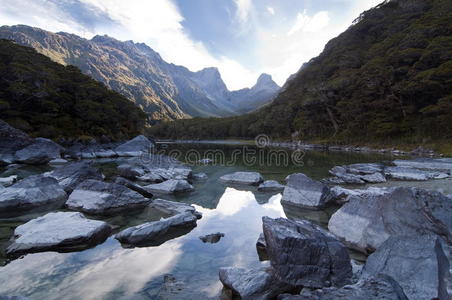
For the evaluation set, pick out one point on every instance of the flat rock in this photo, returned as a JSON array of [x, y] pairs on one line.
[[32, 192], [173, 208], [437, 164], [259, 284], [170, 187], [270, 186], [418, 263], [358, 174], [305, 192], [97, 197], [131, 172], [212, 238], [72, 174], [342, 195], [412, 174], [58, 161], [41, 151], [135, 147], [63, 231], [380, 287], [154, 233], [243, 178], [366, 221], [105, 153], [305, 255]]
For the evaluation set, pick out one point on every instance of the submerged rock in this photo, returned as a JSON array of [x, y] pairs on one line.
[[170, 187], [130, 172], [244, 178], [133, 186], [41, 151], [200, 176], [32, 192], [270, 186], [61, 231], [380, 287], [72, 174], [97, 197], [212, 238], [305, 192], [259, 284], [305, 255], [418, 263], [366, 221], [137, 146]]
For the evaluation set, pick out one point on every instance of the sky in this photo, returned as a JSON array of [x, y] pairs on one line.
[[242, 38]]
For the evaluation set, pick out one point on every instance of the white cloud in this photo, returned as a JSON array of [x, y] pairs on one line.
[[306, 23], [271, 10], [243, 9]]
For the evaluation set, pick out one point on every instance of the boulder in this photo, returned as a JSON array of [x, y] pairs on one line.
[[243, 178], [41, 151], [305, 255], [305, 192], [170, 187], [11, 140], [72, 174], [359, 173], [172, 208], [270, 186], [381, 287], [105, 153], [259, 284], [411, 174], [366, 221], [32, 192], [418, 263], [157, 232], [342, 195], [212, 238], [97, 197], [261, 248], [436, 164], [200, 176], [58, 161], [61, 231], [130, 172], [133, 186], [135, 147]]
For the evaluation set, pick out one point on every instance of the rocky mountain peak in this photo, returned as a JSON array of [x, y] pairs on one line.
[[265, 81]]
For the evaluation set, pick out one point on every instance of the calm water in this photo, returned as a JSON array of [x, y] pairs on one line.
[[110, 271]]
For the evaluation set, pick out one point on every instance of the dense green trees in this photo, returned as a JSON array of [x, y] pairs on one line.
[[387, 78], [47, 99]]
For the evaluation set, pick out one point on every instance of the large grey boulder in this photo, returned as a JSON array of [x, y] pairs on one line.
[[366, 221], [41, 151], [305, 255], [130, 172], [259, 284], [305, 192], [135, 147], [11, 140], [381, 287], [418, 263], [32, 192], [72, 174], [359, 173], [62, 231], [270, 186], [154, 233], [98, 197], [170, 187], [342, 195], [242, 178]]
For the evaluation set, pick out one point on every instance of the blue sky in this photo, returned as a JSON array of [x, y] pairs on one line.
[[243, 38]]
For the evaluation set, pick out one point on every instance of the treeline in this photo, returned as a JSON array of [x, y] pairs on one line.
[[47, 99], [388, 77]]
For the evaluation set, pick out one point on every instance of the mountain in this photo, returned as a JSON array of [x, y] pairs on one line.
[[47, 99], [387, 78], [164, 91]]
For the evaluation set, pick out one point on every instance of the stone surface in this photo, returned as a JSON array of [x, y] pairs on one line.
[[32, 192], [72, 174], [58, 161], [6, 181], [411, 174], [212, 238], [200, 176], [130, 172], [305, 255], [170, 187], [137, 146], [173, 208], [259, 284], [154, 233], [58, 231], [133, 186], [358, 173], [380, 287], [243, 178], [305, 192], [366, 221], [418, 263], [437, 164], [11, 140], [342, 195], [261, 248], [97, 197], [41, 151], [270, 186]]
